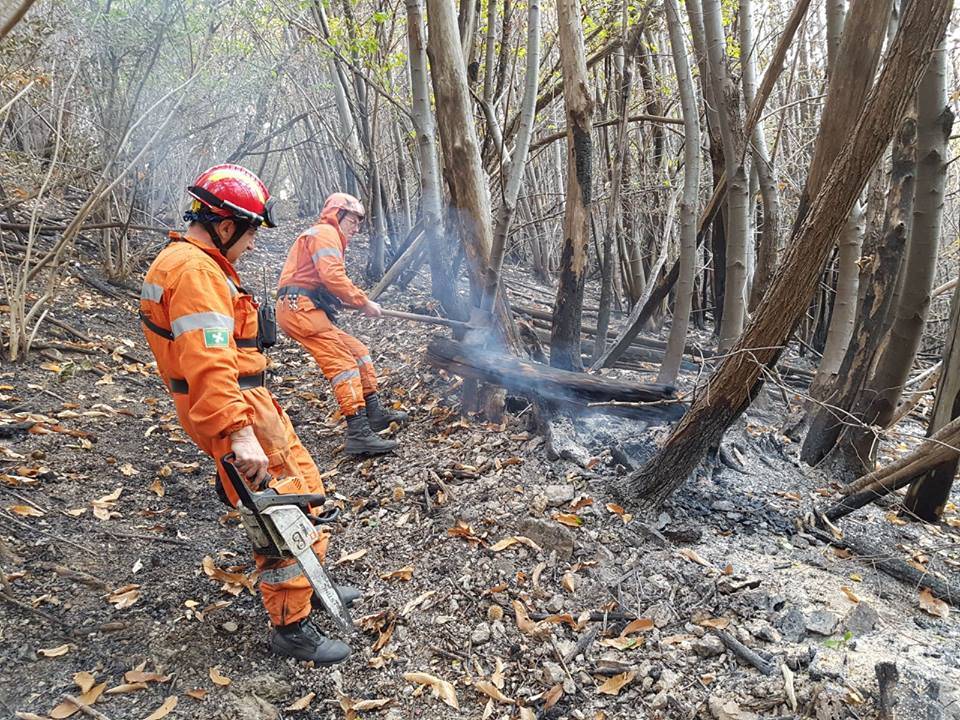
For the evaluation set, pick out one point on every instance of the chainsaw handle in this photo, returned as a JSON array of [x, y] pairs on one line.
[[236, 479], [257, 501], [326, 517]]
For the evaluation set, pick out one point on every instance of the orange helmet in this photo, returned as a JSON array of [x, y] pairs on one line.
[[342, 201], [230, 191]]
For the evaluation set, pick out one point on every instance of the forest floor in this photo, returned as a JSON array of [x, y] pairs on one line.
[[485, 564]]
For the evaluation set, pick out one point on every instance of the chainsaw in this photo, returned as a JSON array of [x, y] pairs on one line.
[[282, 526]]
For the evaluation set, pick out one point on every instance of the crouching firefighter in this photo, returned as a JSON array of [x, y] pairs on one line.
[[314, 288], [203, 329]]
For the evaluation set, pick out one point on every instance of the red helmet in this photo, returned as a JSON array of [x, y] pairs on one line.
[[342, 201], [231, 191]]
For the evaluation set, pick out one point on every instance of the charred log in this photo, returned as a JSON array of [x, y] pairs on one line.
[[947, 589], [654, 402]]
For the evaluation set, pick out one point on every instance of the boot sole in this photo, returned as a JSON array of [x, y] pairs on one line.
[[317, 663], [320, 663], [368, 453], [381, 428]]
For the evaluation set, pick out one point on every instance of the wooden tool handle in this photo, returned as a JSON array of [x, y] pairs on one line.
[[424, 318]]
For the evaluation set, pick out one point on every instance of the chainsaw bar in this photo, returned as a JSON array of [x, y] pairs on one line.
[[299, 534]]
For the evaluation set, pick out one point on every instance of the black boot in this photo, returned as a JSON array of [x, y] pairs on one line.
[[347, 593], [301, 640], [381, 417], [361, 440]]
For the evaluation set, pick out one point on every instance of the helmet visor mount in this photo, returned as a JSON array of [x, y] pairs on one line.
[[268, 219], [254, 219]]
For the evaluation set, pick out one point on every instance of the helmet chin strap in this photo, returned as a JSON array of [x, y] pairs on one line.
[[211, 228], [240, 230]]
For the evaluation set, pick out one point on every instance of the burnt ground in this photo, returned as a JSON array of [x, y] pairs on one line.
[[107, 513]]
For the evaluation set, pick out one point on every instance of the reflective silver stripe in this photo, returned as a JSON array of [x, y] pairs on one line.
[[149, 291], [364, 360], [283, 574], [344, 376], [201, 321], [233, 288], [325, 252]]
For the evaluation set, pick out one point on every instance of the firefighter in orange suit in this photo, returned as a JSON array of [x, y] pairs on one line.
[[314, 287], [202, 328]]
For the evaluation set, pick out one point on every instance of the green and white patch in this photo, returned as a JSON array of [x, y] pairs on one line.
[[216, 337]]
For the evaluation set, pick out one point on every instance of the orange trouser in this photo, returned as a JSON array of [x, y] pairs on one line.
[[285, 590], [344, 360]]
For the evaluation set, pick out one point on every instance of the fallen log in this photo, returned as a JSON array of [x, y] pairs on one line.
[[563, 386], [890, 478], [630, 358], [591, 330], [87, 339], [744, 653], [543, 318], [947, 590], [870, 494], [930, 453], [634, 353], [545, 296]]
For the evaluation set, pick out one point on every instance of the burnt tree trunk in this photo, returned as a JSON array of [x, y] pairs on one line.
[[458, 139], [934, 124], [881, 278], [578, 106], [929, 492]]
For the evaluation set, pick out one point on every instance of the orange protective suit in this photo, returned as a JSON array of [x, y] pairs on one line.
[[209, 360], [315, 261]]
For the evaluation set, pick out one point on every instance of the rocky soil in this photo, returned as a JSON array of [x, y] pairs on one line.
[[500, 579]]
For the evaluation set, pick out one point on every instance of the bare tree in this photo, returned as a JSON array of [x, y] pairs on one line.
[[431, 197], [740, 376], [458, 138], [843, 308], [642, 312], [338, 79], [880, 277], [489, 58], [738, 183], [578, 108], [850, 79], [769, 236], [934, 123], [930, 491], [688, 203], [518, 161], [620, 157]]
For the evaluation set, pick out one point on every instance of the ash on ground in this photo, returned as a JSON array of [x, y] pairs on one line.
[[486, 564]]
